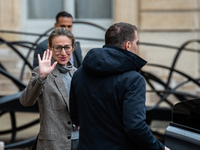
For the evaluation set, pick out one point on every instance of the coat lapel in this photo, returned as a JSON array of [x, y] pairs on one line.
[[61, 86]]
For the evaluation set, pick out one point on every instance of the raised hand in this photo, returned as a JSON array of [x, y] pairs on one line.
[[166, 148], [45, 67]]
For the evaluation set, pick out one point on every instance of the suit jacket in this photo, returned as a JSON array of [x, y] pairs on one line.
[[41, 47], [53, 102]]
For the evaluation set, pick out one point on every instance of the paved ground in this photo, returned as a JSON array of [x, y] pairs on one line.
[[23, 118]]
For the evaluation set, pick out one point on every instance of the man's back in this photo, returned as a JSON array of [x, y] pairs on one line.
[[107, 99], [101, 112]]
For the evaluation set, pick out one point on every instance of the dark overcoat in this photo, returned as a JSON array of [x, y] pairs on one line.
[[107, 100]]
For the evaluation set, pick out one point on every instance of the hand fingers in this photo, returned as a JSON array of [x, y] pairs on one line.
[[54, 64], [44, 56], [47, 54], [39, 59]]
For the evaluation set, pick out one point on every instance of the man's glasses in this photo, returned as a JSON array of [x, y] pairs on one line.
[[58, 48]]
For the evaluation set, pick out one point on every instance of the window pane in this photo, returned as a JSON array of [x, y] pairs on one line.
[[94, 9], [41, 9]]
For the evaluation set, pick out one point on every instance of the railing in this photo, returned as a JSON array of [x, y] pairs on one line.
[[154, 112]]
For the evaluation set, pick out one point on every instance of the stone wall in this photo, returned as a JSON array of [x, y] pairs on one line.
[[10, 19], [166, 22], [171, 22]]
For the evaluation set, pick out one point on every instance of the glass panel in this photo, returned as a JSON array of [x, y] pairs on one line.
[[98, 9], [187, 113], [44, 9]]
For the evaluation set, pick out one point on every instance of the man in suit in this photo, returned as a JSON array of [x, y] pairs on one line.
[[63, 19]]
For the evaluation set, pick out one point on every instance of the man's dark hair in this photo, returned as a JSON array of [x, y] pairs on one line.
[[63, 14], [118, 34]]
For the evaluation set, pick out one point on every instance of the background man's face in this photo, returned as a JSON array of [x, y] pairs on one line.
[[64, 22]]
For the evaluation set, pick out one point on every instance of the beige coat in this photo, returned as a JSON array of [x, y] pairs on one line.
[[53, 102]]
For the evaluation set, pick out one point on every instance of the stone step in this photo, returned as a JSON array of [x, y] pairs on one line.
[[16, 72], [8, 87]]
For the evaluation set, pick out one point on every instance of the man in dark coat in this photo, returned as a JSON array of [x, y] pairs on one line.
[[107, 97], [63, 19]]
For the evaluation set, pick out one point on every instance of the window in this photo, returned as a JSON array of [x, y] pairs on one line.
[[88, 9], [39, 15], [96, 9], [44, 9]]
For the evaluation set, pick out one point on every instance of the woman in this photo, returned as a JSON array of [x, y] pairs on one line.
[[50, 85]]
